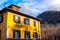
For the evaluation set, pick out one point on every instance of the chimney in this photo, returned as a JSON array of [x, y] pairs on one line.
[[14, 7]]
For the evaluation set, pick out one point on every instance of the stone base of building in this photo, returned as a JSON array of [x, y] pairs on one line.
[[21, 39]]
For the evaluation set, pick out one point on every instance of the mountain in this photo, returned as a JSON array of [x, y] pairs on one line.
[[51, 17]]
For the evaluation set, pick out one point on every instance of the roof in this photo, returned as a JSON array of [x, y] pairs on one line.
[[8, 9], [14, 5]]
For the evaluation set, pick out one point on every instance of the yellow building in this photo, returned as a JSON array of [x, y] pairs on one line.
[[15, 25]]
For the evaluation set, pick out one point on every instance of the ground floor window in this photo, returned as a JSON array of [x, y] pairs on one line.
[[35, 35], [27, 35], [16, 34]]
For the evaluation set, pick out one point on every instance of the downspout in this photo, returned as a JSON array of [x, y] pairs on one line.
[[39, 30]]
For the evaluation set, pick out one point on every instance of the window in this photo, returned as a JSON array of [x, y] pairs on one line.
[[16, 34], [1, 18], [17, 19], [34, 23], [35, 35], [26, 21], [27, 35], [16, 9]]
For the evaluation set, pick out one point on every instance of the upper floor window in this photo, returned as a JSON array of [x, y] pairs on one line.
[[17, 19], [1, 18], [27, 35], [16, 34], [34, 23], [26, 21], [35, 35], [16, 8]]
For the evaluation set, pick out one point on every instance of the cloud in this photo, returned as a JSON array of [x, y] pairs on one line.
[[0, 8], [54, 5], [28, 10], [55, 2], [30, 7], [32, 1], [34, 7], [2, 1]]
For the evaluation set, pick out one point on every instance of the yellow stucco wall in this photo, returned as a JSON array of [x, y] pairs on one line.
[[8, 25], [11, 25]]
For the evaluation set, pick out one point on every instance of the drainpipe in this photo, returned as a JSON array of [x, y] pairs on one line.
[[39, 29], [5, 33]]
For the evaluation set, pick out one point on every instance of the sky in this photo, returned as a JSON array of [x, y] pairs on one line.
[[32, 7]]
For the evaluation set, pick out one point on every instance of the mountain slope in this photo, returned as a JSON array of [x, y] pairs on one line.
[[52, 17]]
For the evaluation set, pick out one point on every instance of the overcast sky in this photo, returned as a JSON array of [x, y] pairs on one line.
[[32, 7]]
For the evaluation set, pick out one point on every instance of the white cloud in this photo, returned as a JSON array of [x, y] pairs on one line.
[[2, 1], [28, 10], [31, 1], [0, 8], [35, 7], [55, 2], [32, 7], [54, 5]]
